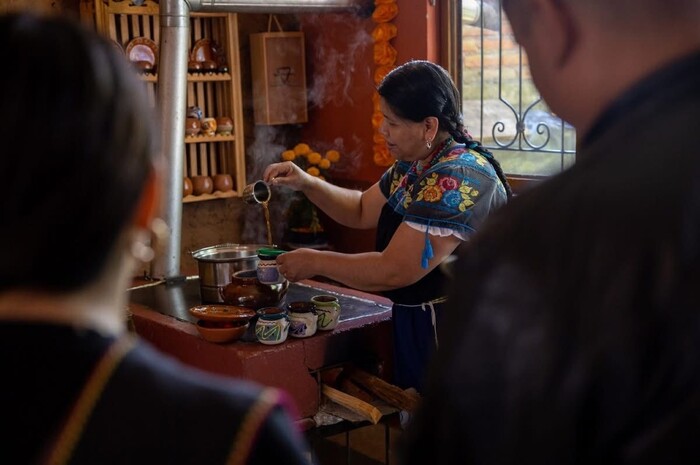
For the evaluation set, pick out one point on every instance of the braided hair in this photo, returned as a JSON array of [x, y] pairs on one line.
[[419, 89]]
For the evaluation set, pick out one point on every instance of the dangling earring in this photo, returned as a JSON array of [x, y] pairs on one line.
[[429, 144], [143, 251]]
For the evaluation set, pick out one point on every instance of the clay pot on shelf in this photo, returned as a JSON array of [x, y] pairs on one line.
[[224, 125], [186, 187], [208, 126], [246, 291], [223, 182], [192, 126], [202, 185]]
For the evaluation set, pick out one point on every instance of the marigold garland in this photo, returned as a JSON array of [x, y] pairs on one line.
[[385, 60]]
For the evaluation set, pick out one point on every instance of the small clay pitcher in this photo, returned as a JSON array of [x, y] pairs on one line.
[[302, 319], [272, 326], [246, 291], [202, 185], [328, 309], [223, 182]]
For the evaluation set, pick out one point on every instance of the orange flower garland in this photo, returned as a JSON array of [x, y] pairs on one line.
[[385, 60]]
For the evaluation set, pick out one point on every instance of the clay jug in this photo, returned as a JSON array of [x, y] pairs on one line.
[[246, 291], [202, 185]]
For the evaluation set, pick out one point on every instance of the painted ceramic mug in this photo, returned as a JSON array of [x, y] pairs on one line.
[[302, 319], [272, 326], [328, 309]]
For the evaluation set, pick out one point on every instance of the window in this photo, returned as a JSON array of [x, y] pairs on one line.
[[501, 106]]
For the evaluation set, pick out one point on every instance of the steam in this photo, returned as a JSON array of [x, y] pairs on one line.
[[333, 72], [264, 151], [335, 68]]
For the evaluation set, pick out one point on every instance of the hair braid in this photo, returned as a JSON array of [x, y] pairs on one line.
[[459, 134]]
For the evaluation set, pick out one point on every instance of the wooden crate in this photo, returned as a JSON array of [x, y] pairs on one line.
[[279, 77]]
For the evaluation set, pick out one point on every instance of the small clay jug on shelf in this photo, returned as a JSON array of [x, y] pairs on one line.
[[208, 126], [223, 182], [246, 291], [192, 126], [224, 125], [202, 185]]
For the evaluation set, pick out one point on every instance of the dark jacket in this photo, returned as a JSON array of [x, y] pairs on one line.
[[573, 332]]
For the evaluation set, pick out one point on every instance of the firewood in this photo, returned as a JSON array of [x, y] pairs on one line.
[[349, 387], [358, 406], [392, 395]]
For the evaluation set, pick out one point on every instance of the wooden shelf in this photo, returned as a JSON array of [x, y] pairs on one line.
[[210, 77], [214, 196], [215, 93], [199, 139]]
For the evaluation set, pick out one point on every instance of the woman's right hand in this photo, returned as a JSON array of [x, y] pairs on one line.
[[286, 174]]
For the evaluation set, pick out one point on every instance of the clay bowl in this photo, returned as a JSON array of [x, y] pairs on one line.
[[221, 323], [220, 332], [223, 182], [222, 313], [202, 185]]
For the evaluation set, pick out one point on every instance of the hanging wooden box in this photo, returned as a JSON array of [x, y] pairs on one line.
[[279, 77]]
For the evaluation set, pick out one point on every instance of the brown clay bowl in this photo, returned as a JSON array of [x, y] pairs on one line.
[[202, 185], [222, 313], [220, 332]]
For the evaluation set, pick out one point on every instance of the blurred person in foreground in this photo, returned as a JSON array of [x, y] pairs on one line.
[[573, 330], [79, 194]]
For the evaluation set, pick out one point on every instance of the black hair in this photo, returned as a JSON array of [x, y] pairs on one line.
[[419, 89], [79, 145]]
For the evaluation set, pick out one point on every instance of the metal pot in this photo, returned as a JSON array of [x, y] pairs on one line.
[[217, 264]]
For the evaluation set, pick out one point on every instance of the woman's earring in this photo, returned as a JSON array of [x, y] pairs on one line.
[[143, 250], [429, 144]]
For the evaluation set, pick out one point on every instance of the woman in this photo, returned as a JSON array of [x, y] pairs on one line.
[[79, 193], [438, 192]]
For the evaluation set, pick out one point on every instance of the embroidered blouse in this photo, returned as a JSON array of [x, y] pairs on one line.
[[453, 194]]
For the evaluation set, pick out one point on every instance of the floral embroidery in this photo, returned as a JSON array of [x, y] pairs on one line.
[[430, 194], [446, 194], [452, 198], [448, 183]]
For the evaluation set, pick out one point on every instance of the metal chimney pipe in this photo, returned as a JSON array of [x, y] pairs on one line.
[[171, 104], [274, 6]]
